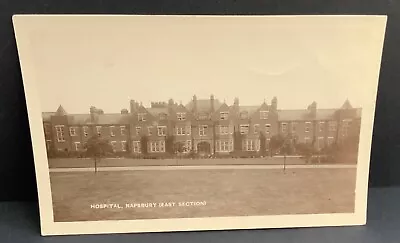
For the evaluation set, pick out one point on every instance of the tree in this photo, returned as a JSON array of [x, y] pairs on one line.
[[144, 144], [237, 141], [263, 145], [170, 144], [96, 148], [275, 144]]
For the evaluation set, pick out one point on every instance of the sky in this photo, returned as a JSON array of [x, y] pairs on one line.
[[106, 62]]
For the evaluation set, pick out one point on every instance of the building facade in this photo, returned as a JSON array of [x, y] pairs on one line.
[[202, 126]]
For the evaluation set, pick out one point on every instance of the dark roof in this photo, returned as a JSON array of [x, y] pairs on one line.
[[157, 111], [250, 109], [61, 111], [46, 115], [293, 115], [204, 105], [347, 105]]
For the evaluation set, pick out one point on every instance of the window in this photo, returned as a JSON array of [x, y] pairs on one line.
[[162, 116], [161, 130], [223, 115], [72, 131], [203, 116], [188, 130], [138, 130], [244, 115], [267, 128], [181, 116], [307, 140], [203, 130], [123, 146], [150, 130], [284, 127], [294, 125], [187, 146], [330, 141], [122, 129], [256, 128], [223, 130], [251, 145], [60, 133], [321, 126], [47, 129], [142, 117], [136, 147], [332, 126], [244, 129], [157, 146], [307, 127], [345, 127], [180, 131], [85, 131], [77, 146], [114, 145], [112, 134], [224, 145], [98, 130], [264, 115]]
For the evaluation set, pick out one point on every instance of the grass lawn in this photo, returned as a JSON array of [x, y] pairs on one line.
[[79, 163], [225, 193]]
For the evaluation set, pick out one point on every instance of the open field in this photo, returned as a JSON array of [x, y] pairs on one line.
[[230, 192], [83, 163]]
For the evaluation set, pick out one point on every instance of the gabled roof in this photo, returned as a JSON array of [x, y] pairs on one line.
[[61, 111], [347, 105]]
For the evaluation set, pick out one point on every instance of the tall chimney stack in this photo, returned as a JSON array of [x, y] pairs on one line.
[[212, 103]]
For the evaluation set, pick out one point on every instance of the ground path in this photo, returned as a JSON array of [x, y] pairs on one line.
[[204, 167]]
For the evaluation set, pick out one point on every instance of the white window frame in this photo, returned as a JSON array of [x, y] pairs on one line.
[[123, 146], [223, 130], [85, 131], [161, 131], [256, 128], [225, 145], [267, 128], [180, 131], [284, 126], [157, 146], [162, 116], [321, 126], [188, 146], [242, 130], [60, 134], [114, 145], [307, 140], [112, 133], [251, 145], [137, 147], [138, 130], [188, 130], [72, 131], [122, 130], [203, 130], [345, 127], [150, 130], [98, 130], [307, 127], [224, 115], [141, 116], [181, 116], [77, 145], [330, 141], [264, 115]]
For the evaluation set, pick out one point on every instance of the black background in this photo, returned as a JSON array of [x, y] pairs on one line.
[[17, 178]]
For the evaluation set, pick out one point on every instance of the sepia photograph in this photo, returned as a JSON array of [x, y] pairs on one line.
[[191, 117]]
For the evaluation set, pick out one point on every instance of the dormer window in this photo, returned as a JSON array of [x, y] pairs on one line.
[[181, 116], [163, 116], [142, 117], [203, 116], [244, 115], [263, 115], [224, 115]]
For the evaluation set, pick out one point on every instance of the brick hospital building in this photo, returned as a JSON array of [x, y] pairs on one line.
[[203, 125]]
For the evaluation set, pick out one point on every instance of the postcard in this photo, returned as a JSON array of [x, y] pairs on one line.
[[189, 123]]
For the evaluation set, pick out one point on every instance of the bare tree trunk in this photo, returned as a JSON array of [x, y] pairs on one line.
[[95, 165]]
